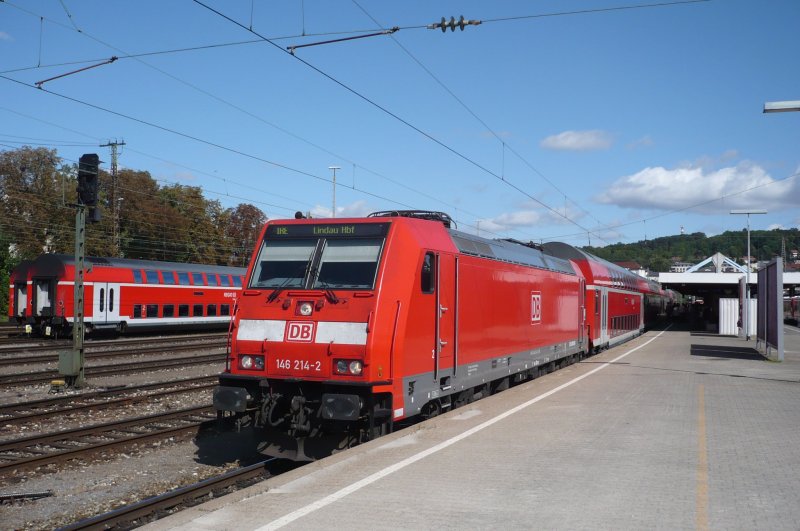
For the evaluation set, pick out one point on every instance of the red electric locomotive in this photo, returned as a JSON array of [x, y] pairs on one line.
[[346, 326], [123, 295]]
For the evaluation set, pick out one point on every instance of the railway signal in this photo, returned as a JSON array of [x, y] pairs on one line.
[[88, 168]]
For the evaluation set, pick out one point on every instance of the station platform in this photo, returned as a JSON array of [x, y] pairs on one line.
[[668, 431]]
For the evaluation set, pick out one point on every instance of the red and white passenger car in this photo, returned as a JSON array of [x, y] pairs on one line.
[[123, 295]]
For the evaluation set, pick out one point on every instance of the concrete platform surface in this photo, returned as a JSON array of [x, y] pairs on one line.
[[668, 431]]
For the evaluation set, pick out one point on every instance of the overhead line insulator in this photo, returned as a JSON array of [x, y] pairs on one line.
[[453, 24]]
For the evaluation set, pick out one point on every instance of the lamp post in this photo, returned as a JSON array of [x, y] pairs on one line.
[[746, 309], [781, 106], [334, 168]]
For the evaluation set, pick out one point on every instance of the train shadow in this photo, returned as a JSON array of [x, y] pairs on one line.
[[219, 444], [726, 352]]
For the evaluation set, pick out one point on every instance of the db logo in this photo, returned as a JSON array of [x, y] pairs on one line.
[[536, 306], [300, 331]]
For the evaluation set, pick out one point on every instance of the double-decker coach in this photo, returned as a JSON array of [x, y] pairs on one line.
[[124, 295], [619, 304]]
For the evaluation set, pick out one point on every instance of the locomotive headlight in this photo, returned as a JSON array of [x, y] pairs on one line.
[[356, 367], [305, 308], [251, 363]]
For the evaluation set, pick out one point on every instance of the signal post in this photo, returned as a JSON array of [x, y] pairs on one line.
[[71, 363]]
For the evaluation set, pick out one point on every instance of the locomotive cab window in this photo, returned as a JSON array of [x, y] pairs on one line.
[[427, 273], [282, 263], [348, 264]]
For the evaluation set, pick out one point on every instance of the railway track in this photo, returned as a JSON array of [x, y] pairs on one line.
[[16, 345], [117, 368], [147, 510], [37, 410], [81, 443], [100, 354]]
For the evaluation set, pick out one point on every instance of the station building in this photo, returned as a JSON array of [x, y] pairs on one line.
[[714, 286]]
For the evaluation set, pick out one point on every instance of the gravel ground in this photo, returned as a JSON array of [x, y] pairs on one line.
[[84, 489]]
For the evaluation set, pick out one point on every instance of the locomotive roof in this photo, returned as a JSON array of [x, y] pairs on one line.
[[509, 251], [50, 264]]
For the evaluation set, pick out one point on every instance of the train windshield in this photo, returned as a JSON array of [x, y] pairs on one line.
[[348, 264], [314, 263], [282, 263]]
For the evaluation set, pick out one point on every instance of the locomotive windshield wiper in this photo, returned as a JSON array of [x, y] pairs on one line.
[[277, 291]]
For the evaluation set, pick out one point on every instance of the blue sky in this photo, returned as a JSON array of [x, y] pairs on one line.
[[593, 127]]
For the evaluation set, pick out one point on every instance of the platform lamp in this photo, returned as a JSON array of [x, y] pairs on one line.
[[782, 106], [746, 309]]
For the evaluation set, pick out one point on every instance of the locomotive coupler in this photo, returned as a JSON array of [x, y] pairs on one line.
[[300, 422]]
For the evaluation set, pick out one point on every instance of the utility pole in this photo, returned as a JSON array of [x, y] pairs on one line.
[[115, 237], [334, 168]]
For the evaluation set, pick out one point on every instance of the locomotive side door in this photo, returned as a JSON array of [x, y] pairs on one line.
[[445, 318], [106, 303]]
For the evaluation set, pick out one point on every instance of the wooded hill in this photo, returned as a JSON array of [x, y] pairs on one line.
[[660, 253]]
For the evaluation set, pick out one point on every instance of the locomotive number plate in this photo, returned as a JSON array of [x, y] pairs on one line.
[[285, 364]]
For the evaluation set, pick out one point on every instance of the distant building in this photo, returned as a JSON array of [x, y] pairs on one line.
[[679, 267], [633, 267]]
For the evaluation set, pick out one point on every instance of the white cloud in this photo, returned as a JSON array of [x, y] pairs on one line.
[[776, 226], [591, 140], [673, 189], [5, 36], [644, 142], [359, 209]]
